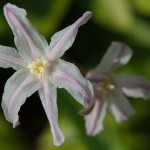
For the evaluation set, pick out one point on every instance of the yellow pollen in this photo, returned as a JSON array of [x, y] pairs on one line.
[[37, 67], [107, 86]]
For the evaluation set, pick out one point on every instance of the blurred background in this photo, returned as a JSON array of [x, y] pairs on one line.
[[113, 20]]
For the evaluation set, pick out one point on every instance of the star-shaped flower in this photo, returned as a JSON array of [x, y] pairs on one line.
[[110, 87], [39, 68]]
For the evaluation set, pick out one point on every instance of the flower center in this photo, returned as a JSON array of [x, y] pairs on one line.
[[38, 66], [106, 85]]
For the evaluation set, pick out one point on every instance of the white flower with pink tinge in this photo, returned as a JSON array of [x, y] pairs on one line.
[[110, 87], [39, 67]]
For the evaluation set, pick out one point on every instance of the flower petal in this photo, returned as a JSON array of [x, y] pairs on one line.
[[28, 41], [94, 121], [48, 97], [87, 110], [18, 87], [118, 54], [63, 40], [133, 85], [67, 75], [9, 57], [120, 106]]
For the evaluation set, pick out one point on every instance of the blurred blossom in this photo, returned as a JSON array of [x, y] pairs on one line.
[[110, 87], [39, 68]]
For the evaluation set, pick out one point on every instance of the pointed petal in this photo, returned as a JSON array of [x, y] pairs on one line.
[[67, 75], [18, 87], [119, 106], [28, 41], [94, 121], [63, 40], [117, 55], [87, 110], [48, 97], [9, 57], [133, 85]]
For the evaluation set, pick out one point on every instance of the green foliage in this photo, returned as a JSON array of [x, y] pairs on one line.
[[9, 138], [123, 16]]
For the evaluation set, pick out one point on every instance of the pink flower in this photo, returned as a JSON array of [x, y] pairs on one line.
[[39, 67], [110, 87]]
